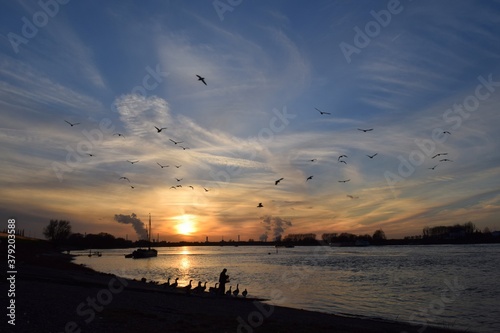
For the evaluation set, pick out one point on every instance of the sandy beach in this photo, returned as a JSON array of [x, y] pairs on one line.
[[55, 295]]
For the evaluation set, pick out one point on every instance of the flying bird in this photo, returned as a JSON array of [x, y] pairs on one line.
[[446, 132], [202, 79], [91, 155], [321, 112], [132, 187], [125, 178], [352, 197], [434, 167], [344, 181], [179, 186], [341, 156], [178, 179], [162, 166], [160, 129], [277, 181], [206, 189], [310, 177], [372, 156], [365, 130], [439, 154], [260, 205], [72, 124], [132, 162], [176, 142], [343, 162], [175, 188], [119, 134], [313, 160], [184, 147], [445, 160], [178, 166], [191, 187]]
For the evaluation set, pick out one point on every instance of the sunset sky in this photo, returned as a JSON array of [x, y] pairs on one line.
[[409, 70]]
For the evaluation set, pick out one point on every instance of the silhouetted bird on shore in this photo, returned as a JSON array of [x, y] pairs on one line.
[[228, 292], [365, 130], [72, 124], [236, 291], [278, 181], [160, 129], [245, 293], [175, 284], [202, 79]]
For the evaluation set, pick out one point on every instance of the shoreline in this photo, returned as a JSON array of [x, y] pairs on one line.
[[56, 295]]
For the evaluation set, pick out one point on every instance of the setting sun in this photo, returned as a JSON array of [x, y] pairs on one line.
[[185, 224]]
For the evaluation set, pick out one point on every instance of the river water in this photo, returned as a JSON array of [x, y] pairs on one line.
[[454, 286]]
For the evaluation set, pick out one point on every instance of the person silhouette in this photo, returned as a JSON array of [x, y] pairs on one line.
[[223, 279]]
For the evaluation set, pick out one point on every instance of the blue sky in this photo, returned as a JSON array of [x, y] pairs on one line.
[[125, 67]]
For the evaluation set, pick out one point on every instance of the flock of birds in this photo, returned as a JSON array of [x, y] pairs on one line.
[[200, 289]]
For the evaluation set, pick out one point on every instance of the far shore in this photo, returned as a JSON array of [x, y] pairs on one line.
[[55, 295]]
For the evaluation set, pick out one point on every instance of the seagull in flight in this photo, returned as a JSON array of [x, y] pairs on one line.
[[372, 156], [162, 166], [202, 79], [341, 156], [184, 148], [176, 142], [439, 154], [365, 130], [344, 181], [277, 181], [178, 166], [125, 178], [173, 187], [446, 132], [352, 197], [321, 112], [178, 179], [313, 160], [133, 162], [310, 177], [260, 205], [179, 186], [434, 167], [160, 129], [445, 160], [343, 162], [72, 124], [206, 190], [191, 187], [132, 187], [119, 134]]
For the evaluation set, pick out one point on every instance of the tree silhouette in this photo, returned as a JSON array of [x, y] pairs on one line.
[[379, 235], [57, 231]]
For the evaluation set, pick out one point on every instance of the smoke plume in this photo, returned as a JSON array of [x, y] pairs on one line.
[[274, 227], [138, 225]]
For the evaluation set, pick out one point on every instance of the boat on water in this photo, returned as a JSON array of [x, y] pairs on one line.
[[144, 253]]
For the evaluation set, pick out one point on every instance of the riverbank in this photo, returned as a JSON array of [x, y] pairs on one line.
[[55, 295]]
